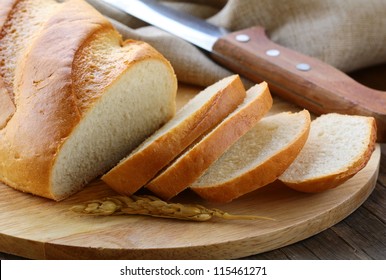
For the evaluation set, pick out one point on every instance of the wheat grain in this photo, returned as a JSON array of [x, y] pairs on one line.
[[153, 206]]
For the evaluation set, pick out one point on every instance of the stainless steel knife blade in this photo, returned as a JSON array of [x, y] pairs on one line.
[[303, 80], [183, 25]]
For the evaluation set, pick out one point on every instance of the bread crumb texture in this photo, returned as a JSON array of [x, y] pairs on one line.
[[265, 139], [335, 146]]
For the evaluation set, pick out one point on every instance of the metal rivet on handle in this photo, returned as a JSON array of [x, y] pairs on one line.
[[272, 52], [303, 67], [242, 38]]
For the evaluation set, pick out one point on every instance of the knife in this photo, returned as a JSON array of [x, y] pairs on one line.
[[300, 79]]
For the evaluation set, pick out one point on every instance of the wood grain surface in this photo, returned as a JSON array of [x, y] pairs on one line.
[[38, 228]]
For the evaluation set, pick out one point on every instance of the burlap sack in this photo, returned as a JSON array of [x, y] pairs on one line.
[[348, 34]]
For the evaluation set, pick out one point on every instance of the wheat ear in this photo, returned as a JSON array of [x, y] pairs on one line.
[[153, 206]]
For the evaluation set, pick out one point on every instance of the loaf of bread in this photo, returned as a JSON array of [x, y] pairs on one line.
[[256, 159], [338, 147], [74, 98], [189, 166], [200, 114]]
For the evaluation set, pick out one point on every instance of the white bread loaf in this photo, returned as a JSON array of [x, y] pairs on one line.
[[338, 147], [200, 114], [256, 159], [84, 98], [192, 164]]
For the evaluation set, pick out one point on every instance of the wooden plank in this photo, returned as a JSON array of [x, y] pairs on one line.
[[271, 255], [329, 246], [368, 234], [299, 251], [376, 203], [382, 170]]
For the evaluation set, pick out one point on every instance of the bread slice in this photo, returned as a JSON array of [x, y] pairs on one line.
[[256, 159], [84, 98], [200, 114], [338, 147], [193, 163]]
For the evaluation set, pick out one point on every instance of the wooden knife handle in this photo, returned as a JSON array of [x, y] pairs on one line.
[[303, 80]]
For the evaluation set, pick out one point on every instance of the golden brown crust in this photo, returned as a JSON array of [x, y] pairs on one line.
[[190, 166], [49, 106], [93, 76], [334, 180], [134, 172], [6, 7], [258, 177], [7, 107]]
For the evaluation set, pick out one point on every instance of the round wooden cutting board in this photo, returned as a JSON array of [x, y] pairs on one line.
[[38, 228]]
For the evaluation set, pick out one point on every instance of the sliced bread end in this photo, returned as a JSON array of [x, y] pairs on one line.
[[338, 147]]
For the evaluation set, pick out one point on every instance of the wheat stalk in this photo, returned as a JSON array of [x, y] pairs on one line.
[[153, 206]]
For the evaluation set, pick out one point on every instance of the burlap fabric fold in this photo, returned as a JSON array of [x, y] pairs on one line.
[[348, 34]]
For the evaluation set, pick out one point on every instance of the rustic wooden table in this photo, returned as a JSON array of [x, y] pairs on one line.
[[362, 235]]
